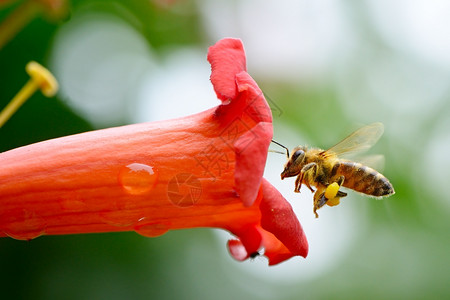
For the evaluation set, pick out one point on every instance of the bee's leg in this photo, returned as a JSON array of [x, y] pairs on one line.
[[340, 181], [307, 184], [319, 201], [341, 194], [310, 170], [332, 193], [322, 200], [298, 183]]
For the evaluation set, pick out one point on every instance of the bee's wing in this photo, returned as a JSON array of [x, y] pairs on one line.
[[360, 140], [375, 161]]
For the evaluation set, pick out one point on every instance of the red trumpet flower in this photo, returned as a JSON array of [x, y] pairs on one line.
[[203, 170]]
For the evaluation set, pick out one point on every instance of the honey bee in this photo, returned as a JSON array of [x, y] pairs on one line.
[[327, 171]]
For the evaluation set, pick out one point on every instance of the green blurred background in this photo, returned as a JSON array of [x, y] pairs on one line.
[[326, 68]]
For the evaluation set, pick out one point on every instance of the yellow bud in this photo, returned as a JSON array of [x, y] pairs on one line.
[[40, 78], [44, 79]]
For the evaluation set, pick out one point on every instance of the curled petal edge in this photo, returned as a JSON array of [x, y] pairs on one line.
[[251, 154], [227, 58], [280, 234], [256, 105], [278, 217]]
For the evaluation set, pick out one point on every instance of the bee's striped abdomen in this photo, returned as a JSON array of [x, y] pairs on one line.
[[363, 179]]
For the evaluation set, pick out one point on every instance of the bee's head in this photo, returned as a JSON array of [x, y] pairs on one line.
[[295, 162]]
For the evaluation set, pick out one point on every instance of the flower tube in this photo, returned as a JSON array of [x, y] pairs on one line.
[[203, 170]]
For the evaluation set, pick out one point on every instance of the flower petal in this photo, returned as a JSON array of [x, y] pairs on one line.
[[237, 250], [227, 58], [279, 219], [251, 154], [256, 105], [250, 241]]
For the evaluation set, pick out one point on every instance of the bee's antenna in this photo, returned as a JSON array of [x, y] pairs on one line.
[[287, 150], [275, 151]]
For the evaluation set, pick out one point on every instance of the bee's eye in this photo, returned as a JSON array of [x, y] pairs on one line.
[[298, 155]]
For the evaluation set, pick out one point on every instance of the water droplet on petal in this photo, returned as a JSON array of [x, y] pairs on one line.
[[151, 228], [137, 179], [26, 226]]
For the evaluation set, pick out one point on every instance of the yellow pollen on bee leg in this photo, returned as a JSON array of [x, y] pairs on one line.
[[330, 194], [333, 202], [331, 191]]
